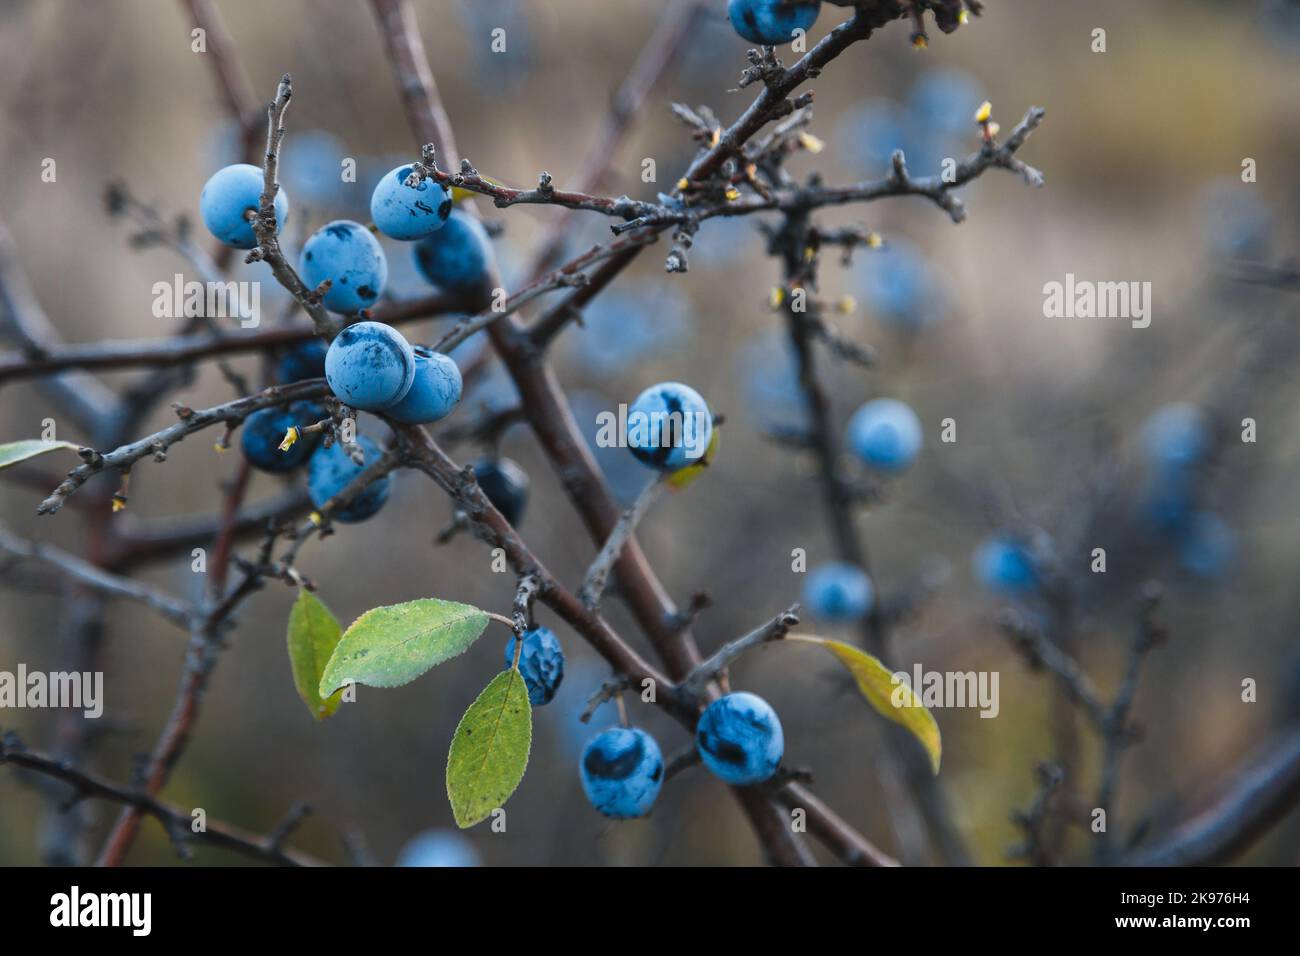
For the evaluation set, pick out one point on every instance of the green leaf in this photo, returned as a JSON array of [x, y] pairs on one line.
[[876, 682], [313, 635], [490, 749], [391, 646], [16, 451]]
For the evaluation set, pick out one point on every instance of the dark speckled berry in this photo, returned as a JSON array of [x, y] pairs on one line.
[[370, 365], [506, 486], [407, 212], [264, 430], [622, 770], [740, 739], [456, 257], [302, 362], [541, 663], [350, 257], [331, 470]]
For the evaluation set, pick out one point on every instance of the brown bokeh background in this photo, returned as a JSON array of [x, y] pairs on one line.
[[1132, 137]]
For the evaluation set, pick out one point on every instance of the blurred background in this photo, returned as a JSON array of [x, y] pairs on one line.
[[1142, 149]]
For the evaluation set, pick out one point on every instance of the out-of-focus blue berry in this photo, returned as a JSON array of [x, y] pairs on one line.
[[350, 257], [438, 848], [768, 370], [625, 326], [1176, 436], [871, 131], [370, 365], [898, 286], [434, 392], [457, 257], [838, 591], [946, 100], [302, 362], [772, 22], [1005, 565], [264, 431], [330, 470], [885, 434], [226, 199], [1208, 546], [311, 166], [622, 770], [669, 426], [739, 737], [407, 212], [505, 484], [541, 663]]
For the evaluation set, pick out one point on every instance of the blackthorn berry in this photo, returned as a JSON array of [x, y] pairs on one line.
[[302, 362], [541, 663], [330, 470], [772, 22], [370, 365], [1208, 545], [739, 738], [669, 426], [886, 434], [227, 199], [506, 486], [444, 848], [1006, 565], [1176, 436], [622, 770], [345, 253], [838, 591], [434, 392], [457, 257], [264, 431], [408, 212]]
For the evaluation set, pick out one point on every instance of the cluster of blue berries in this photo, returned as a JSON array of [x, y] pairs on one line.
[[1177, 443], [452, 250], [738, 737]]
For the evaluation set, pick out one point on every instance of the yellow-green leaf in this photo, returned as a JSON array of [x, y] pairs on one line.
[[391, 646], [16, 451], [489, 751], [313, 635], [877, 685]]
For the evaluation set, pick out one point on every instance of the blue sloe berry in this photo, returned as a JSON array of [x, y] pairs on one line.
[[345, 253], [541, 663], [227, 198], [622, 770], [739, 738], [370, 365]]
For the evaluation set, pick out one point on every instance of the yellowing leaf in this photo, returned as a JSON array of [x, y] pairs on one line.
[[489, 751], [391, 646], [313, 634], [16, 451], [877, 685]]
